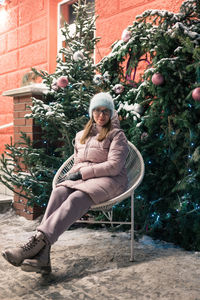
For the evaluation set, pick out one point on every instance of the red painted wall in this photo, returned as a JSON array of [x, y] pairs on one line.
[[115, 15], [28, 38]]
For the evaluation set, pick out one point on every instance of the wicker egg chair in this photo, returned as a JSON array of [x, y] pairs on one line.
[[135, 171]]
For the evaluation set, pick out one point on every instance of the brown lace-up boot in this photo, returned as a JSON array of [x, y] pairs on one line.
[[15, 256], [40, 263]]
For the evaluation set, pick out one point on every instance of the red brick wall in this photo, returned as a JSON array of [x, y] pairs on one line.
[[116, 15], [21, 108], [27, 39]]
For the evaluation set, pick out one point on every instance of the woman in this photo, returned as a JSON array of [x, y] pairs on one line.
[[98, 174]]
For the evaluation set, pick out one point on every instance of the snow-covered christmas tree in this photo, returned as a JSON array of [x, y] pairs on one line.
[[159, 104]]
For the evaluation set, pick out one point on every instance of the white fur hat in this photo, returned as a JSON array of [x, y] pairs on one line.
[[102, 99]]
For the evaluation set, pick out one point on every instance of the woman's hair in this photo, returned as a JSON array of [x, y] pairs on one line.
[[88, 128]]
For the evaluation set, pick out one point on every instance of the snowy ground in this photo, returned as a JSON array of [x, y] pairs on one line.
[[94, 264]]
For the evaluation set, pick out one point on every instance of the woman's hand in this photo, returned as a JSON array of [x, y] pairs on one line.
[[74, 176]]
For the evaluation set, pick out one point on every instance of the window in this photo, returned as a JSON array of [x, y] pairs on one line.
[[65, 14]]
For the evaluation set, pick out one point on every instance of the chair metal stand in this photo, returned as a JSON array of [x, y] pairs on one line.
[[132, 227], [109, 216]]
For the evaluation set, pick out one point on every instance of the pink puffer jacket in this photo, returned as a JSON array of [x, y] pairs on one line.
[[102, 164]]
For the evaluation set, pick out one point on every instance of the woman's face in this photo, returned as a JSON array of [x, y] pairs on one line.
[[101, 115]]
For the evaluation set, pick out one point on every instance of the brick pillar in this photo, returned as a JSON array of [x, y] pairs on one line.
[[22, 100]]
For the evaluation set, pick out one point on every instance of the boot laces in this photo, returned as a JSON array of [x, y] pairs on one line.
[[31, 244]]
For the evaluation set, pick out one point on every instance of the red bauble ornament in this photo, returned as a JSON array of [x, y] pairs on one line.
[[196, 94], [62, 82], [126, 35], [158, 79]]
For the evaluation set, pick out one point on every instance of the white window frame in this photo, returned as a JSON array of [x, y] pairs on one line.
[[60, 37]]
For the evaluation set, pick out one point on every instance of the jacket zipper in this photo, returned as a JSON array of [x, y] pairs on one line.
[[86, 148]]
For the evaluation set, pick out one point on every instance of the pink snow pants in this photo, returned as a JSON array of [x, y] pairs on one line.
[[65, 206]]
